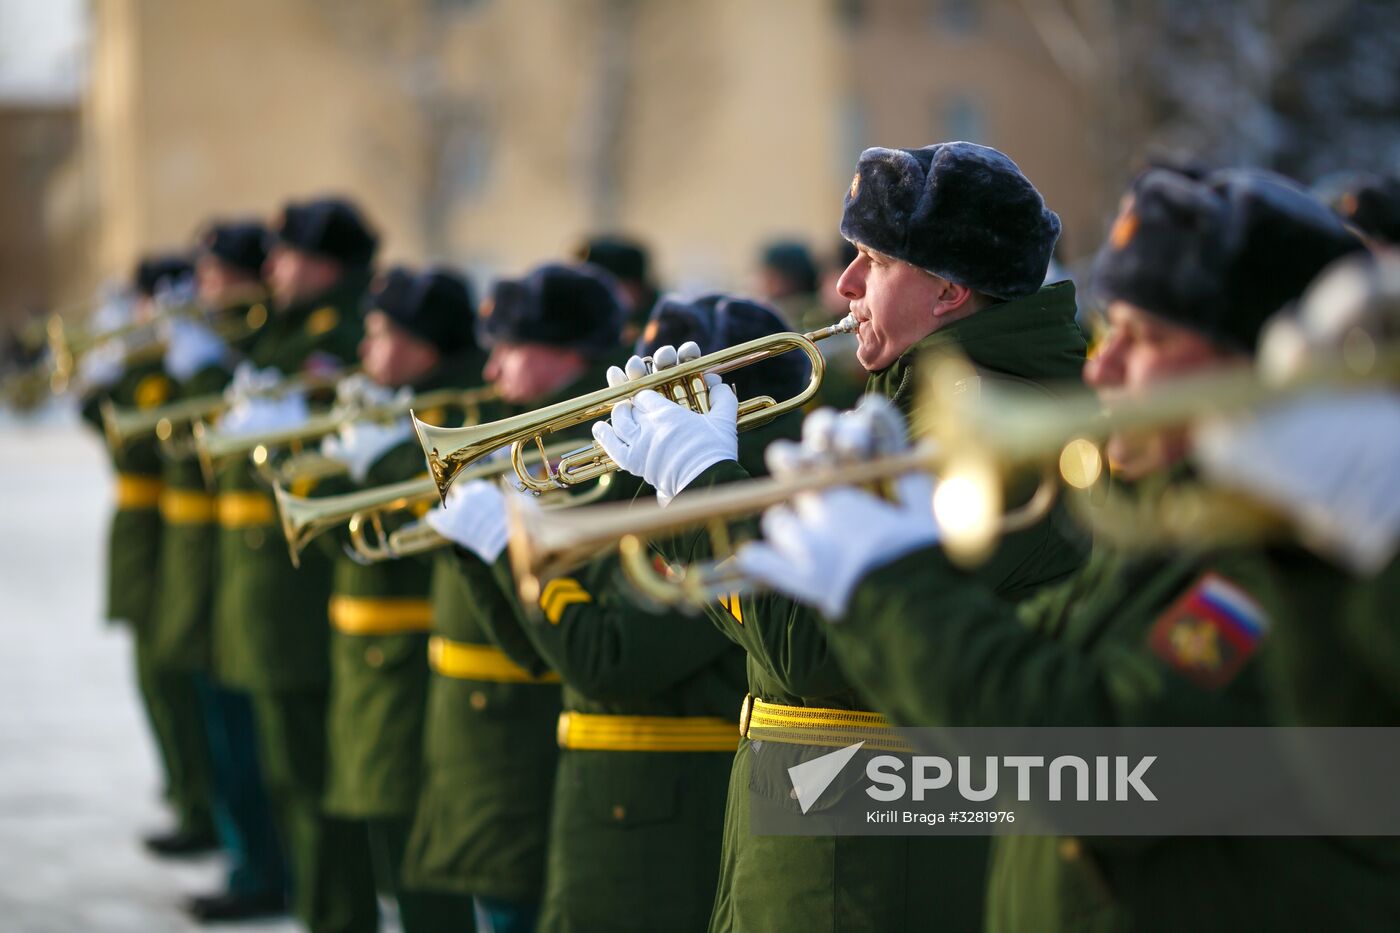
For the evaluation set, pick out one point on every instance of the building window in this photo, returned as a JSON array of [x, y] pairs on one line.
[[464, 153], [456, 6], [850, 13], [962, 118], [852, 130], [958, 17]]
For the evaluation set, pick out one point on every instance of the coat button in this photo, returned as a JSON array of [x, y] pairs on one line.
[[619, 812], [374, 656], [1070, 849], [477, 700], [254, 538]]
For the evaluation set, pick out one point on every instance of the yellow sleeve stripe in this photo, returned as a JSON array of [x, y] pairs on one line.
[[559, 594], [733, 605]]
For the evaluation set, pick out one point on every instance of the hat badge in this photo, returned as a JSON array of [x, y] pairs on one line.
[[855, 186], [1124, 229]]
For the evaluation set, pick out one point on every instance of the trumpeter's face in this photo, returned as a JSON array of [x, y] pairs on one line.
[[294, 275], [896, 305], [392, 356], [1139, 351], [528, 372]]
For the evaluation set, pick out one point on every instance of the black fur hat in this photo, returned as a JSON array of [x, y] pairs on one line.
[[241, 244], [564, 306], [1371, 203], [157, 272], [625, 258], [435, 305], [1219, 254], [330, 227], [961, 211], [794, 262], [717, 321]]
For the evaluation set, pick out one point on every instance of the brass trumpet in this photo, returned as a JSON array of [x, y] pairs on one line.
[[67, 344], [973, 441], [306, 517], [214, 447], [124, 425], [450, 450]]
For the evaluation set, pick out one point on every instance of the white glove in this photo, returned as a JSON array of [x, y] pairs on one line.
[[475, 518], [190, 347], [103, 365], [360, 444], [257, 414], [248, 381], [873, 428], [1329, 462], [665, 443], [360, 391], [818, 549], [116, 308], [176, 293]]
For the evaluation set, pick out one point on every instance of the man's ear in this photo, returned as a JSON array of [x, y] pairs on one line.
[[953, 297]]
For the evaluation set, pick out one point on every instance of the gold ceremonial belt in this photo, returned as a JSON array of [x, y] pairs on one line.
[[463, 661], [187, 507], [242, 509], [135, 491], [358, 615], [761, 721], [599, 732]]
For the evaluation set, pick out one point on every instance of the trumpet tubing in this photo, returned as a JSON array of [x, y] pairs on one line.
[[450, 450], [303, 518], [215, 447], [122, 425], [973, 440]]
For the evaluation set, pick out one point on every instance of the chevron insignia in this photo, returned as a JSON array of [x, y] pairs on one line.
[[560, 594]]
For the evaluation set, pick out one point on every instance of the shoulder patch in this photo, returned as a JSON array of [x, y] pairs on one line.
[[256, 316], [151, 391], [559, 594], [1210, 632], [322, 320]]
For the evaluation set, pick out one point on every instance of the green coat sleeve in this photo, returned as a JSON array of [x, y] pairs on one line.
[[608, 648], [933, 646], [785, 639]]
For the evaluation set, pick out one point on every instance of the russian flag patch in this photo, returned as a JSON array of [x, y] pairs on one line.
[[1210, 632]]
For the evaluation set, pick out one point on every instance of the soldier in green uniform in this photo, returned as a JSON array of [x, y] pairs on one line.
[[483, 816], [134, 547], [1329, 463], [788, 278], [629, 261], [228, 270], [953, 244], [271, 634], [1139, 637], [649, 725], [418, 334], [1371, 204]]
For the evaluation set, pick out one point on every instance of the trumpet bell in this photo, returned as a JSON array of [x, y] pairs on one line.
[[450, 450]]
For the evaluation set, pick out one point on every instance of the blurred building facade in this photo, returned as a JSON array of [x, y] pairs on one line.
[[494, 134]]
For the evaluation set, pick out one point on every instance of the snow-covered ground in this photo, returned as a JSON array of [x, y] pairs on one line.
[[78, 778]]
